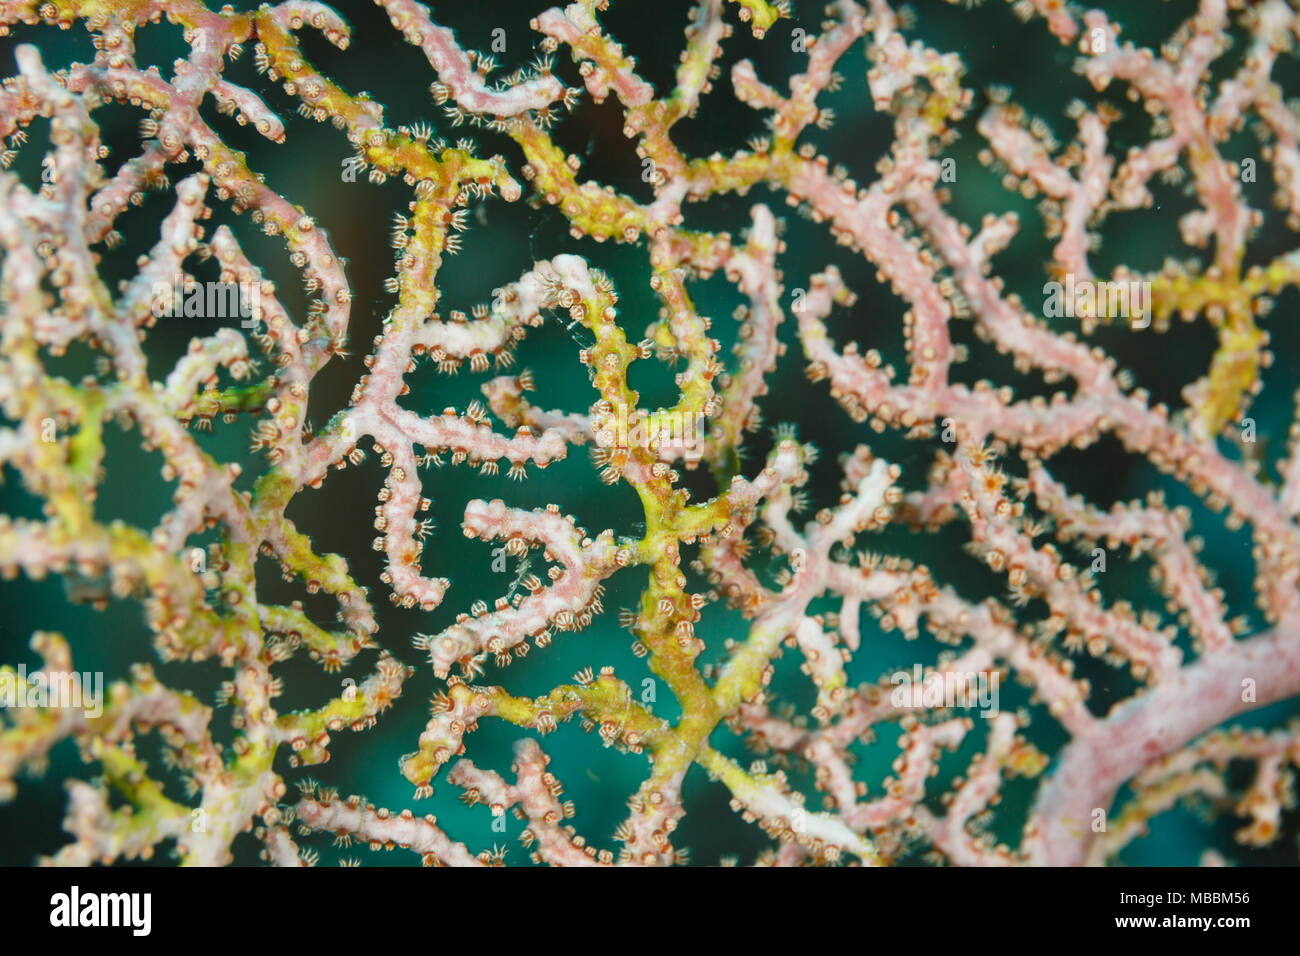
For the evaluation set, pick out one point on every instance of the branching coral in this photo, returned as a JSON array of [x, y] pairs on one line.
[[1162, 739]]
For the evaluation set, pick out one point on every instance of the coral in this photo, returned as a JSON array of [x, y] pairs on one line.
[[1137, 699]]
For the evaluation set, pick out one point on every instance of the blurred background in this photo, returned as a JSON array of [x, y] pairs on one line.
[[503, 241]]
